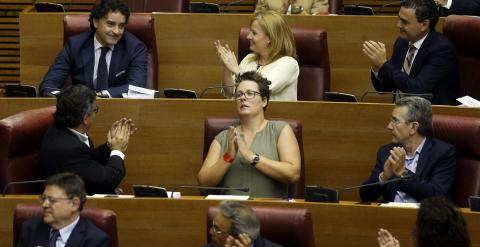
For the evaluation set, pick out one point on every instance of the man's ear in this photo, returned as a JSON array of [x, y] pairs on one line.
[[76, 203], [414, 128], [425, 25], [87, 120], [95, 23]]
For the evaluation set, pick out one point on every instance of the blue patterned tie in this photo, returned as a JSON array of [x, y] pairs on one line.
[[54, 234]]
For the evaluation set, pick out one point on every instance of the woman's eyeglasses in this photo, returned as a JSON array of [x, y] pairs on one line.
[[248, 94]]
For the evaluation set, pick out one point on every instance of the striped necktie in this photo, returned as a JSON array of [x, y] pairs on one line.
[[407, 64]]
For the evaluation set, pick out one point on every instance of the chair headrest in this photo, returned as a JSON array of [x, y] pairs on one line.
[[462, 132], [456, 27]]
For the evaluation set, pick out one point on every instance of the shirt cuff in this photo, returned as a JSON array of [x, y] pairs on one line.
[[375, 73], [107, 93], [117, 153]]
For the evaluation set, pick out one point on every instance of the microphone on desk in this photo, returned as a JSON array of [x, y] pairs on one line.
[[401, 94], [213, 87], [229, 4], [320, 194], [388, 5], [21, 182], [244, 189]]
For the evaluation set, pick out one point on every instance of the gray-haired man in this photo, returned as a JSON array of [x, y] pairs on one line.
[[236, 225], [428, 161]]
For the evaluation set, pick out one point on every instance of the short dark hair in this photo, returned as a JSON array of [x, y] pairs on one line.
[[419, 110], [71, 183], [242, 219], [424, 10], [103, 7], [73, 105], [440, 224], [262, 82]]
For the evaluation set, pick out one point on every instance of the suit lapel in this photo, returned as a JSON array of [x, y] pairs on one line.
[[423, 159], [43, 234], [115, 62], [399, 52], [259, 242], [421, 54], [77, 234], [92, 147], [88, 59]]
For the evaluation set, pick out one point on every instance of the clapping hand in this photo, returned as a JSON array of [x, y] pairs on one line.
[[244, 150], [119, 134], [376, 52], [232, 142], [385, 239], [242, 241], [227, 56], [395, 163]]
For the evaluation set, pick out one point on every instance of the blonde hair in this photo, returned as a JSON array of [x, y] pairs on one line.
[[281, 37]]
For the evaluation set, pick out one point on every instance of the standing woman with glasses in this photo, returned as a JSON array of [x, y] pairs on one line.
[[260, 154], [273, 55]]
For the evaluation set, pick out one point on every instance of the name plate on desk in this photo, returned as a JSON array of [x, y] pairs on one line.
[[474, 202], [320, 194]]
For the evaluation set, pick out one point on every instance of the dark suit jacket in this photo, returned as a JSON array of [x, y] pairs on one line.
[[434, 70], [36, 233], [62, 151], [259, 242], [464, 7], [128, 64], [434, 175]]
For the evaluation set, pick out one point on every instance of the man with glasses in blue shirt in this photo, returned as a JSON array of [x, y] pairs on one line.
[[428, 163], [61, 225]]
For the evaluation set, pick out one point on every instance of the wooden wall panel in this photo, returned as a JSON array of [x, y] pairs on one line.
[[182, 222]]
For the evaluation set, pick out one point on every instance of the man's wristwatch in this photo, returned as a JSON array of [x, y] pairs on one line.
[[255, 160]]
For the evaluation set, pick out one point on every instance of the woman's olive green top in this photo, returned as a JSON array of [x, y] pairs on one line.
[[243, 174]]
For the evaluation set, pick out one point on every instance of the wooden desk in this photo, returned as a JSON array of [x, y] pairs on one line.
[[187, 57], [340, 139], [182, 222]]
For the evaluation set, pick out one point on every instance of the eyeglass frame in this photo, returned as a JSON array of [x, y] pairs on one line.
[[96, 109], [238, 95], [51, 200], [395, 121], [214, 228]]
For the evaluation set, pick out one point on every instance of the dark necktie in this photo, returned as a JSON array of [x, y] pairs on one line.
[[52, 241], [102, 71]]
